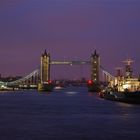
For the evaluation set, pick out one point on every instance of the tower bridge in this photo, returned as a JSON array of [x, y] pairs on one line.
[[46, 64], [41, 78]]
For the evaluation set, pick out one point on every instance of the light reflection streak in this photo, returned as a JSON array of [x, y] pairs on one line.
[[71, 92]]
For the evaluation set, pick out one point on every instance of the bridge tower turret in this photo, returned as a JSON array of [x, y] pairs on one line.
[[95, 67]]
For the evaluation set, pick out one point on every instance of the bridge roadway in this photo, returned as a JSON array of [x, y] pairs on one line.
[[70, 62]]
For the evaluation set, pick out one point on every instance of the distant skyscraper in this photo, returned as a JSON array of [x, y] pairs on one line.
[[45, 67], [95, 67]]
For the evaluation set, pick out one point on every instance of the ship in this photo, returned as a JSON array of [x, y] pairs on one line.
[[123, 88]]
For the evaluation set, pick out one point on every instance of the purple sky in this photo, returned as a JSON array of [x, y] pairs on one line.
[[68, 29]]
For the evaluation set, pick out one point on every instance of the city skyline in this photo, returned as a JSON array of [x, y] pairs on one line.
[[69, 30]]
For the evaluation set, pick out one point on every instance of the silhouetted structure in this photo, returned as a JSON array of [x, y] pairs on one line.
[[93, 84]]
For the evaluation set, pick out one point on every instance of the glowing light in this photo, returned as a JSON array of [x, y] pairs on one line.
[[49, 81], [90, 82], [71, 92], [126, 86]]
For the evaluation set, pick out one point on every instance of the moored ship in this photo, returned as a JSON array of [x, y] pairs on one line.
[[124, 88]]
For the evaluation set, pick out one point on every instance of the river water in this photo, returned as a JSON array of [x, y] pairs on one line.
[[68, 114]]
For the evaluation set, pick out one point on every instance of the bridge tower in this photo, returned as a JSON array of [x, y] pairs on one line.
[[45, 67], [95, 67], [45, 84], [94, 83]]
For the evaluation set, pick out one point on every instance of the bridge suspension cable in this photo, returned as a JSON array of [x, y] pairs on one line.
[[107, 76], [34, 73]]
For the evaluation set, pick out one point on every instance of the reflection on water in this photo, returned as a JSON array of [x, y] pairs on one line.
[[91, 93], [29, 115], [71, 92], [125, 104]]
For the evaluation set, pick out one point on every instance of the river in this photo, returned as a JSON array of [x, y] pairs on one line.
[[68, 114]]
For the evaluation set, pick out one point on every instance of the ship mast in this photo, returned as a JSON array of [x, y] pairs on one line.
[[128, 69]]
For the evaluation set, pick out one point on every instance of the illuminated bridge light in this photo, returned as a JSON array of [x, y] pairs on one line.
[[50, 82], [90, 82]]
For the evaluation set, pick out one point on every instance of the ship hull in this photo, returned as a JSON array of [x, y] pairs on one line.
[[128, 97]]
